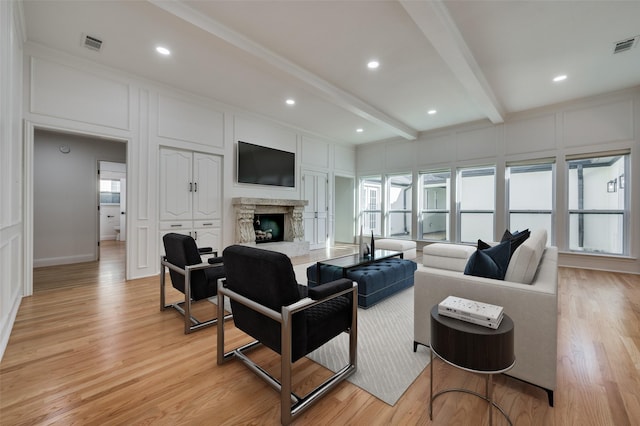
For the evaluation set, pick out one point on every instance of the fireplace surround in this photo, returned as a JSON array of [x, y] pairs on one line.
[[247, 209]]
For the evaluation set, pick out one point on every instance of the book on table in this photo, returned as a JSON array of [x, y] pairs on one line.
[[472, 311]]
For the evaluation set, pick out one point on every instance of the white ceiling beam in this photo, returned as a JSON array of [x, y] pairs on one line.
[[435, 22], [327, 90]]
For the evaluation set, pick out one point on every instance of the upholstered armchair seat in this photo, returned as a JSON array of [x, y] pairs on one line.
[[292, 320], [189, 275]]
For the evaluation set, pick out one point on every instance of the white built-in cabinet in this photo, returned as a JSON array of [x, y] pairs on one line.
[[191, 196], [316, 213]]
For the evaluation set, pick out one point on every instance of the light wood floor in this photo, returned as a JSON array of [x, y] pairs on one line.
[[97, 350]]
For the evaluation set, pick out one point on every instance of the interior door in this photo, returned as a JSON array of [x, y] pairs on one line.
[[315, 188], [176, 185], [207, 184], [123, 209]]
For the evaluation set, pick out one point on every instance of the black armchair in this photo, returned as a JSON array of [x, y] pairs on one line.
[[191, 276], [269, 305]]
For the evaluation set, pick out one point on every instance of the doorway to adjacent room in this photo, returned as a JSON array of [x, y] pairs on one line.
[[70, 210]]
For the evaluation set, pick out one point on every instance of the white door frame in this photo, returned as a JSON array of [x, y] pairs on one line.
[[29, 129]]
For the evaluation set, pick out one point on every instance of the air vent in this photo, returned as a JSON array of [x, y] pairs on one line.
[[92, 43], [624, 45]]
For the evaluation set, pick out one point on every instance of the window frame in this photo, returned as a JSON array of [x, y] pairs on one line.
[[551, 162], [365, 207], [422, 210], [624, 211], [388, 210], [460, 211], [111, 194]]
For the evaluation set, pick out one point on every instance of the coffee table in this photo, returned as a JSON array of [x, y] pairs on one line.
[[378, 276], [355, 260], [473, 348]]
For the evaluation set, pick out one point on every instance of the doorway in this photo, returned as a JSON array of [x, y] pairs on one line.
[[344, 201], [66, 219], [112, 179]]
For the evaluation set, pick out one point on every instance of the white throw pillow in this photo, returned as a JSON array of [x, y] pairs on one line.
[[524, 261]]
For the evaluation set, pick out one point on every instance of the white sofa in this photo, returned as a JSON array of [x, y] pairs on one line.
[[533, 306]]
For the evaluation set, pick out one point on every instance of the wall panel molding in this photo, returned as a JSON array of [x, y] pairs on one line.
[[477, 143], [143, 159], [533, 134], [143, 253], [61, 91], [344, 159], [594, 124], [314, 153], [183, 120]]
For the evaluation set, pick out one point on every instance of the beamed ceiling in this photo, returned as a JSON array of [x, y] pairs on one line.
[[466, 60]]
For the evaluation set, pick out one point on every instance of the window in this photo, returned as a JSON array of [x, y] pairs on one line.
[[373, 203], [598, 204], [399, 190], [530, 196], [370, 205], [476, 203], [435, 193], [109, 191]]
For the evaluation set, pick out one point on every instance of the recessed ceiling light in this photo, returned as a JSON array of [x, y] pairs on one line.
[[290, 102], [560, 78], [359, 130], [373, 64], [163, 50], [431, 111]]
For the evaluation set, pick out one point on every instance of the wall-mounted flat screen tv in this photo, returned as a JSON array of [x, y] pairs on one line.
[[265, 166]]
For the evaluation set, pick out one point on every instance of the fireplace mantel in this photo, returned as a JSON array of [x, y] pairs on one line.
[[246, 208], [269, 202]]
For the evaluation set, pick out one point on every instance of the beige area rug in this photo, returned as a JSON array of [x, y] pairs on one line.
[[387, 365]]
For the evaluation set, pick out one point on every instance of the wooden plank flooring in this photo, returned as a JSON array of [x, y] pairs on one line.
[[92, 348]]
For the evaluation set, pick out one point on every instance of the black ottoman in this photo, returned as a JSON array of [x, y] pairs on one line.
[[376, 281]]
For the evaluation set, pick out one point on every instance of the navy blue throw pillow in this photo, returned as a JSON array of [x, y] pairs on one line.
[[491, 262], [516, 239]]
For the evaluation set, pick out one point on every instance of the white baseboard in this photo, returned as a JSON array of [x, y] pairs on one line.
[[8, 321], [64, 260]]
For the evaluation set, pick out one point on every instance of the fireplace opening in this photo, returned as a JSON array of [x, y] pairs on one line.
[[268, 227]]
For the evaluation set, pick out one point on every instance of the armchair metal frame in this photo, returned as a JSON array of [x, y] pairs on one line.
[[291, 405], [191, 323]]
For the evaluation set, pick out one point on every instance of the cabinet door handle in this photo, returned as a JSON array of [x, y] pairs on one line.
[[196, 187], [190, 186], [196, 235], [178, 225], [207, 224]]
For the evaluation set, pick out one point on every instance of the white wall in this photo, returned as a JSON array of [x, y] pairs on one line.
[[11, 167], [598, 124], [66, 93], [54, 91], [65, 196]]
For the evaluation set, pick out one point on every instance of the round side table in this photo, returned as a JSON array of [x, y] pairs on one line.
[[473, 348]]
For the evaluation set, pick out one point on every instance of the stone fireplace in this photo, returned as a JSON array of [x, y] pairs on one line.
[[248, 210]]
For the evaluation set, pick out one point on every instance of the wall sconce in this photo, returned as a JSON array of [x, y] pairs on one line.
[[621, 181], [611, 185]]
